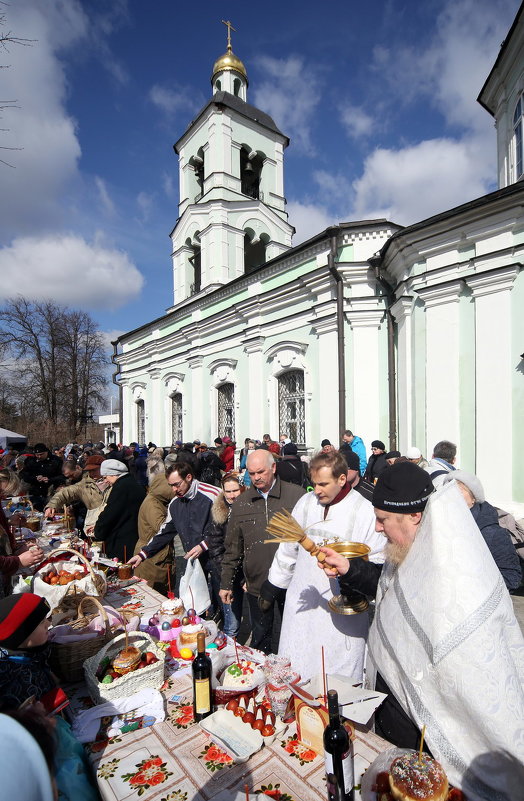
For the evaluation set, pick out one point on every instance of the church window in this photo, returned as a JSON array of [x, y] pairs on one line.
[[195, 260], [251, 163], [292, 406], [176, 417], [226, 410], [236, 86], [254, 250], [140, 422], [219, 86], [517, 137], [197, 162]]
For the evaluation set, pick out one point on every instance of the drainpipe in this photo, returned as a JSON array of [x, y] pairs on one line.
[[339, 293], [375, 262], [115, 381]]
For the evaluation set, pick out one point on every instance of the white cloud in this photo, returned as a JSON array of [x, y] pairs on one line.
[[103, 194], [289, 98], [357, 123], [415, 182], [144, 202], [171, 101], [168, 185], [110, 336], [308, 219], [332, 187], [69, 270]]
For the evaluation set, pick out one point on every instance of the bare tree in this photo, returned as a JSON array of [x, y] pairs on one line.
[[58, 362], [8, 38]]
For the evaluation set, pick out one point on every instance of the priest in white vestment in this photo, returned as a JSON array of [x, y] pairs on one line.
[[332, 512]]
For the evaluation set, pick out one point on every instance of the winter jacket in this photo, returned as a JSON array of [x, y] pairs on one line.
[[189, 517], [291, 469], [499, 543], [51, 468], [86, 491], [151, 517], [117, 525], [210, 471], [24, 673], [357, 446], [228, 457], [220, 513], [377, 463], [246, 532]]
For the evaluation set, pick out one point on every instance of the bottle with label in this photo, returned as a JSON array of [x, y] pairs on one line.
[[201, 680], [338, 753]]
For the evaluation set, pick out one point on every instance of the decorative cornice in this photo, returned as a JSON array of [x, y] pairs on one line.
[[229, 363], [492, 281], [154, 372], [195, 361], [296, 347], [402, 308], [254, 345], [324, 325], [440, 294], [168, 377]]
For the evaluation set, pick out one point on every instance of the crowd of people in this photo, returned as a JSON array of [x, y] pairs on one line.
[[426, 524]]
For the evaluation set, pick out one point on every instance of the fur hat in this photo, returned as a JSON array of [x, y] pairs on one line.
[[19, 616], [470, 481], [325, 442], [377, 443], [112, 467], [403, 488], [93, 462], [40, 447]]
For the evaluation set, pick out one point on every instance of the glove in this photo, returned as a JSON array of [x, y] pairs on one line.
[[269, 594]]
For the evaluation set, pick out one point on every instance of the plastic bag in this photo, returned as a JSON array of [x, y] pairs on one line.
[[194, 591], [72, 771]]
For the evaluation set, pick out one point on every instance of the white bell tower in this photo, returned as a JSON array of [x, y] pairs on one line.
[[232, 210]]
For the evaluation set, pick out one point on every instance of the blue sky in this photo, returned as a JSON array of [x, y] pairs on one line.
[[378, 98]]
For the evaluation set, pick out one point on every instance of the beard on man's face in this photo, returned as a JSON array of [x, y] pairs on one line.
[[396, 553]]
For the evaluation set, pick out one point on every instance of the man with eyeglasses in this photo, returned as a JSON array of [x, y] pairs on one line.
[[188, 515]]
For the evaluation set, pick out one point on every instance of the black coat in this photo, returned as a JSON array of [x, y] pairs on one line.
[[499, 542], [117, 525], [291, 469], [51, 468], [376, 464]]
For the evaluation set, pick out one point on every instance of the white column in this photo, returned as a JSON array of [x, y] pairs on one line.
[[402, 310], [196, 420], [493, 376], [154, 416], [255, 387], [126, 433], [366, 376], [442, 362], [326, 425]]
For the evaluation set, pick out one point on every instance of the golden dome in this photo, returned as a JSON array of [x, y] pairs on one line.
[[229, 62]]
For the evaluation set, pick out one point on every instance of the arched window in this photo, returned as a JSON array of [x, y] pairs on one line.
[[197, 162], [236, 86], [176, 417], [251, 163], [195, 261], [140, 422], [226, 410], [517, 138], [292, 406], [254, 250]]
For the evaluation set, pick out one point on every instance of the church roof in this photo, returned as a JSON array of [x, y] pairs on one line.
[[483, 98], [241, 107]]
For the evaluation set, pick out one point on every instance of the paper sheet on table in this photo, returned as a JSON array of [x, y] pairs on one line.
[[359, 713]]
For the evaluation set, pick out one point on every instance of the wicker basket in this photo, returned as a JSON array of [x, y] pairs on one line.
[[67, 659], [72, 589], [129, 683]]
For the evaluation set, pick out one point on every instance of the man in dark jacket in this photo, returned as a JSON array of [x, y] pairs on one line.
[[42, 472], [188, 515], [290, 467], [117, 525], [245, 547]]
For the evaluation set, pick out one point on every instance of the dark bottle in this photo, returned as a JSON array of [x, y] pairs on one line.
[[201, 680], [338, 754]]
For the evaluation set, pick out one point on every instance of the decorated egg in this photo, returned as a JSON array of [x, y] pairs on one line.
[[185, 621], [186, 653], [192, 620], [107, 679], [175, 623], [152, 621], [191, 612], [166, 625]]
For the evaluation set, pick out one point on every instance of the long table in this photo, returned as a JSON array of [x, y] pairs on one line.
[[176, 761]]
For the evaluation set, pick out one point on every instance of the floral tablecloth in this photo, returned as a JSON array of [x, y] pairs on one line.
[[176, 761]]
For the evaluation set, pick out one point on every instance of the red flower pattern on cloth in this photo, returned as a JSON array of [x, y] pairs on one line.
[[295, 748], [181, 716], [215, 758], [274, 792], [150, 773]]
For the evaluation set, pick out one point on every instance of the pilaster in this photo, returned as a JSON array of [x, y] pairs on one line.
[[493, 377], [365, 376], [402, 311], [442, 360]]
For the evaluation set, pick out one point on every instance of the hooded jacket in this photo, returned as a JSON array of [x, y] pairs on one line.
[[151, 516]]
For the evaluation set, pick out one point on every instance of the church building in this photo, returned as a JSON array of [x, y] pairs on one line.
[[409, 335]]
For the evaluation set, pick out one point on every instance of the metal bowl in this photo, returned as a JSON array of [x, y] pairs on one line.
[[351, 550]]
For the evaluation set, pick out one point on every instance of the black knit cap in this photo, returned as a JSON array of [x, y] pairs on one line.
[[19, 616], [377, 443], [403, 488], [325, 442], [40, 447], [393, 455], [351, 458]]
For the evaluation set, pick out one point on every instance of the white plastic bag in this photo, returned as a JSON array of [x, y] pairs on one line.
[[194, 591]]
